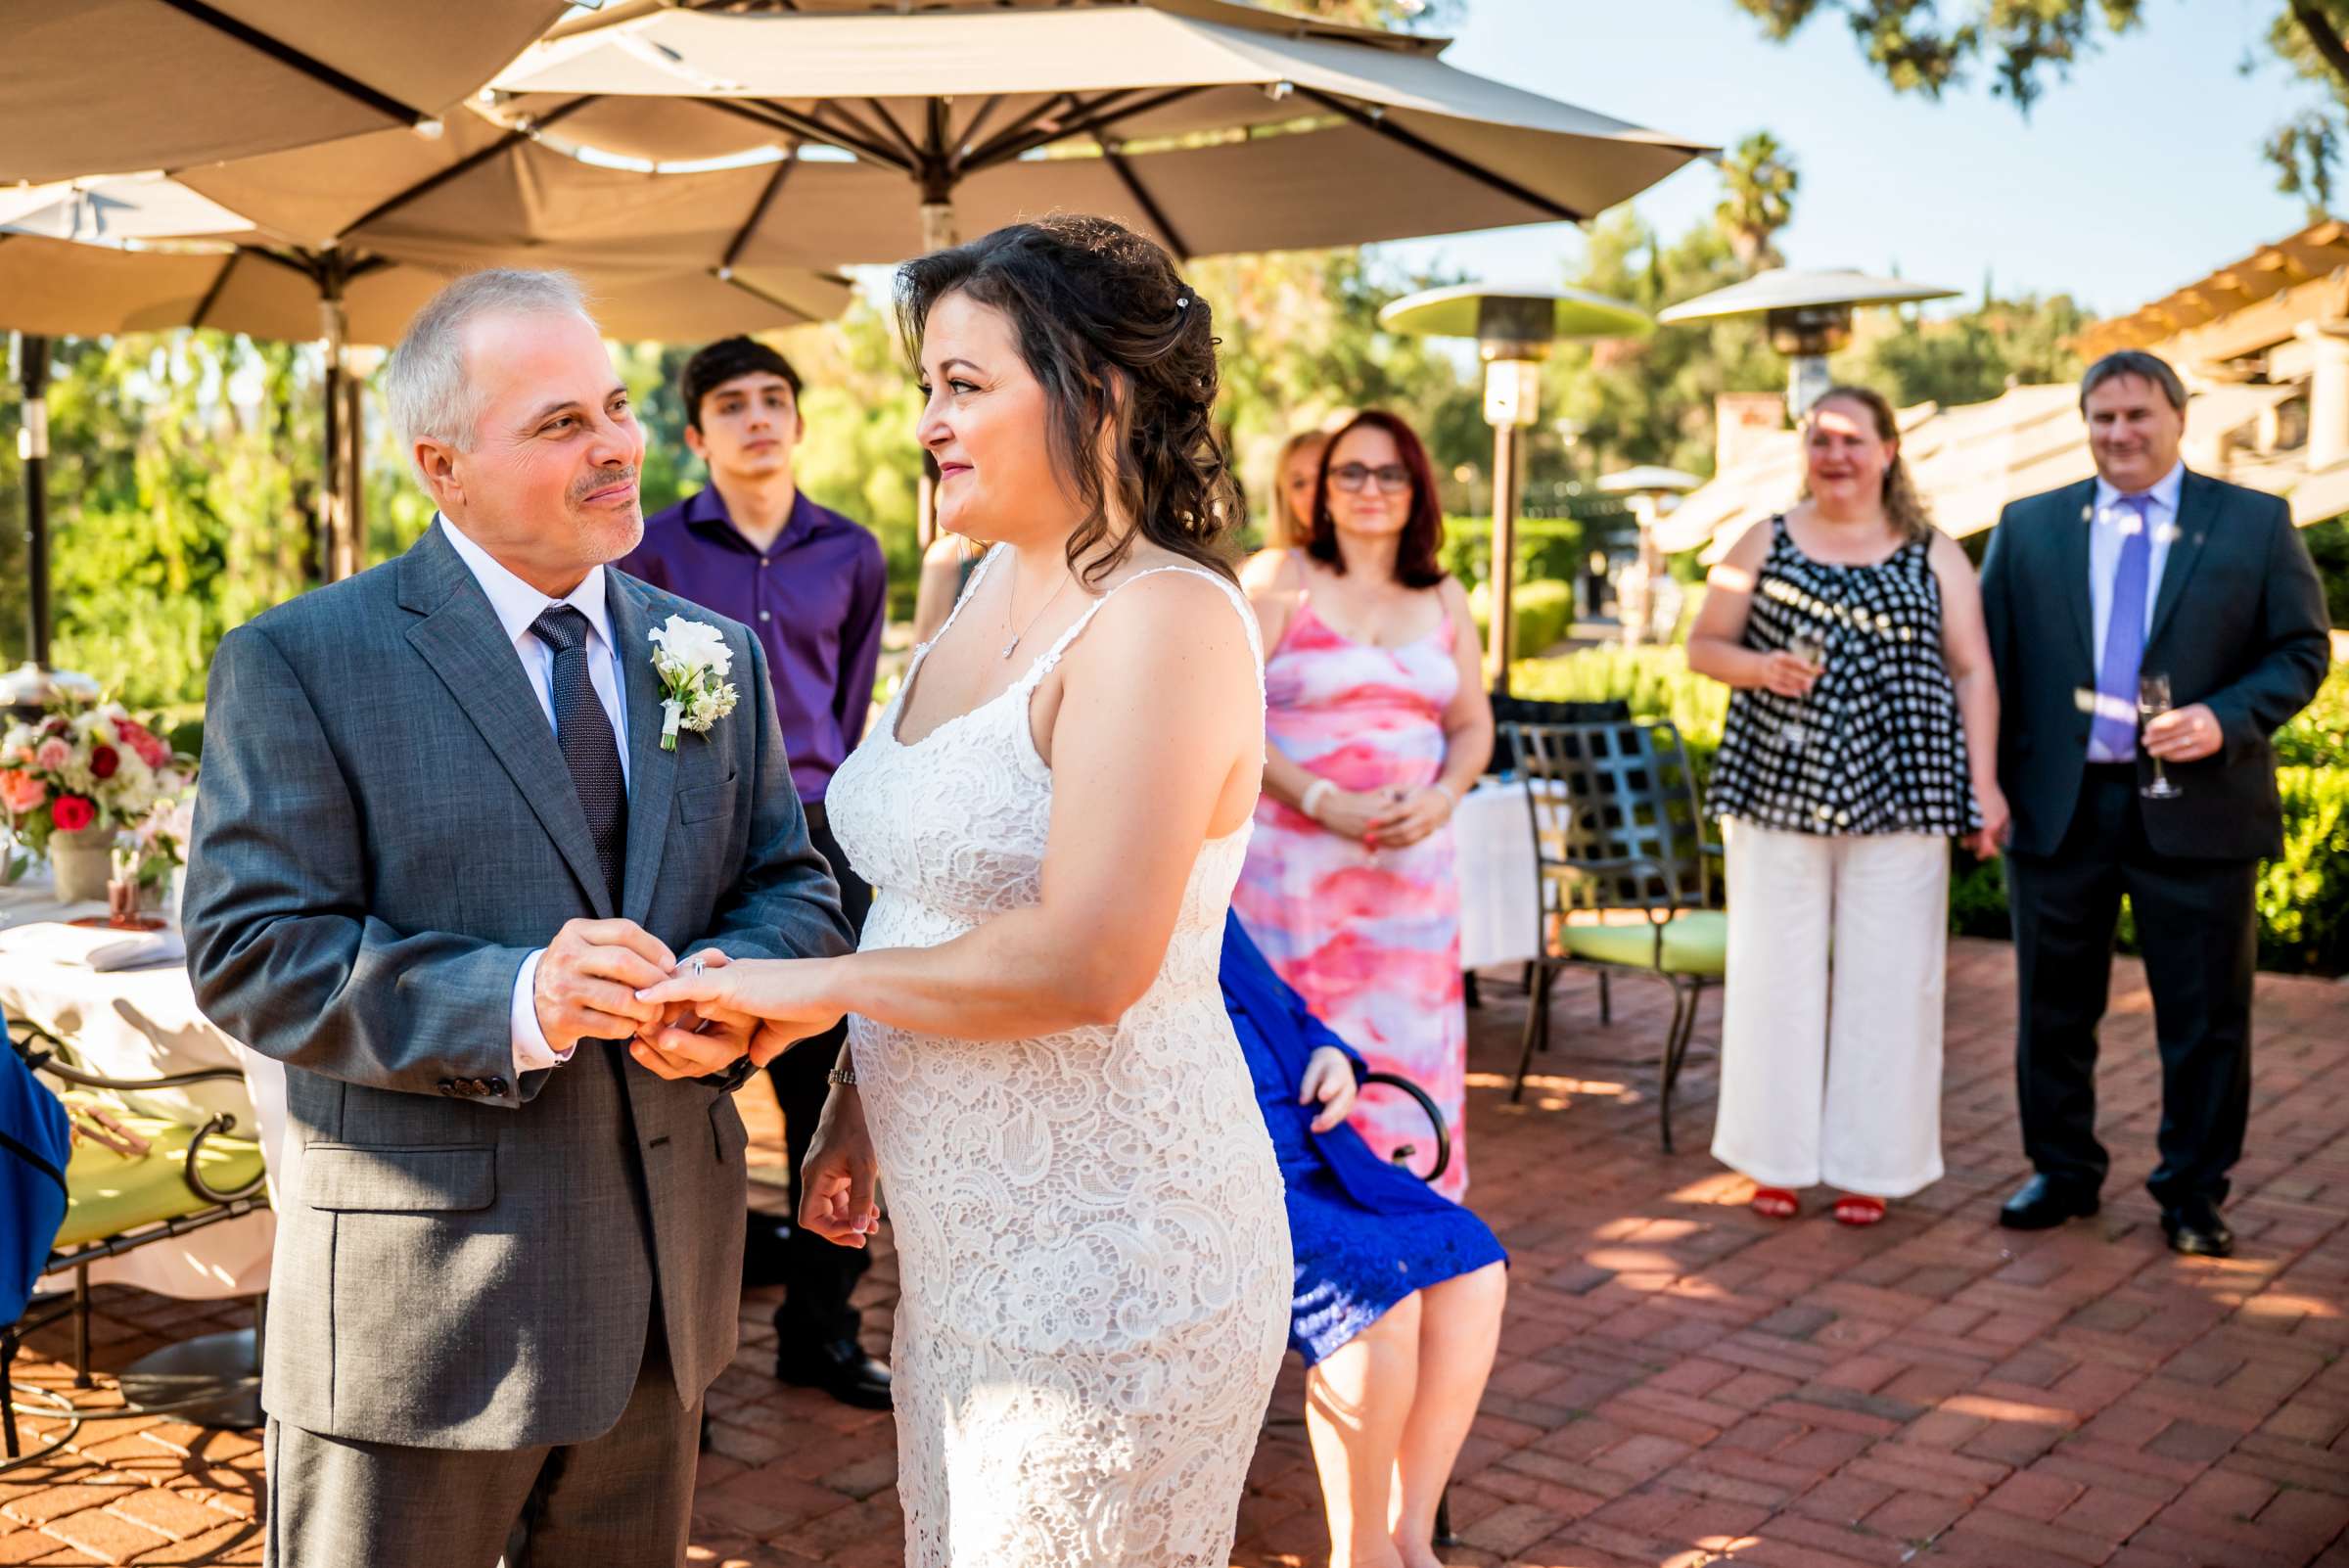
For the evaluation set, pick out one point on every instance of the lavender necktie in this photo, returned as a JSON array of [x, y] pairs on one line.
[[2114, 733]]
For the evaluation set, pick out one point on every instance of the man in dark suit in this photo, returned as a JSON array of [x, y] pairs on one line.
[[2147, 569]]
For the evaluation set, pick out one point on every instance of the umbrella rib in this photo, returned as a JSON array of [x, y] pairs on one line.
[[829, 111], [285, 54], [1123, 170], [970, 131], [896, 132], [774, 116], [986, 153], [1096, 115], [764, 297], [1384, 126], [742, 236], [812, 127], [204, 306], [464, 165]]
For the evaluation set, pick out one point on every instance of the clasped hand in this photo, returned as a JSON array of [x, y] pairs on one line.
[[590, 985]]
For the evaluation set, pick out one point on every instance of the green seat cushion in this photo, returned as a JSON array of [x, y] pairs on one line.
[[1694, 944], [108, 1193]]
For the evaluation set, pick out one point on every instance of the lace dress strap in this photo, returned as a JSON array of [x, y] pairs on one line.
[[969, 588], [1256, 643]]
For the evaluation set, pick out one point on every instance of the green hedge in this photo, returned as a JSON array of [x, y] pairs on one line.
[[1545, 615], [2303, 893]]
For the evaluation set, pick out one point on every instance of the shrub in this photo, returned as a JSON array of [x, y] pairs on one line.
[[2319, 735], [1656, 682], [1545, 615]]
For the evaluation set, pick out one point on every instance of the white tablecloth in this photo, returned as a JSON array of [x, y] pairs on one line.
[[143, 1023], [1493, 846]]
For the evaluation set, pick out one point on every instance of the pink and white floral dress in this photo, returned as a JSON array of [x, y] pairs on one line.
[[1370, 939]]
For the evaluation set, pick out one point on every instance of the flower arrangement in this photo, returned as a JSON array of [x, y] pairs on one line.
[[692, 659], [91, 766]]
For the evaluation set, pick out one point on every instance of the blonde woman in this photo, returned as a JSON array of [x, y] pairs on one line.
[[1295, 476], [1861, 737]]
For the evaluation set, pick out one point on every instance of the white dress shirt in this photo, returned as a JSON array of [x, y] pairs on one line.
[[2109, 524], [517, 605]]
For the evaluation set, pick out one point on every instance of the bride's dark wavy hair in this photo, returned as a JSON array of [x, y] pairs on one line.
[[1112, 332]]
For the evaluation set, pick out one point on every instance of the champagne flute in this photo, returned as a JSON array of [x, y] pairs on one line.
[[2153, 701], [1808, 645]]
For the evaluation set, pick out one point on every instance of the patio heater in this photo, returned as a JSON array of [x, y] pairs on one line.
[[1809, 315], [1514, 331], [1645, 487]]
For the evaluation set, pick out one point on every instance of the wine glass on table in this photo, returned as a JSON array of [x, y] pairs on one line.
[[1808, 645], [2153, 701]]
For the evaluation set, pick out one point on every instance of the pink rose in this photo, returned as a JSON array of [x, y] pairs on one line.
[[141, 740], [21, 792], [54, 755]]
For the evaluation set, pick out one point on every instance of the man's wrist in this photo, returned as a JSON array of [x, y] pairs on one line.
[[533, 1051]]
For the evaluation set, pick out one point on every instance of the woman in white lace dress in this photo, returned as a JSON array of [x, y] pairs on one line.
[[1092, 1250]]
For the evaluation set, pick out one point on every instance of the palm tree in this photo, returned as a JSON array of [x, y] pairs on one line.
[[1758, 183]]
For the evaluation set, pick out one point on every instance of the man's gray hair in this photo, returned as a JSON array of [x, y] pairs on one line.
[[430, 395], [2140, 364]]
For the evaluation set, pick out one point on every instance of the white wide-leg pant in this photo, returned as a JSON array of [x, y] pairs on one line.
[[1831, 1037]]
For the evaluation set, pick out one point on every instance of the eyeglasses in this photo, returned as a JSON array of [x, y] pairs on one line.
[[1393, 478]]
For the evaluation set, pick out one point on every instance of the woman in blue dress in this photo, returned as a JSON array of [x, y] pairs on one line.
[[1398, 1289]]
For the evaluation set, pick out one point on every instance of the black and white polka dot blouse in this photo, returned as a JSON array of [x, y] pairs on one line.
[[1877, 746]]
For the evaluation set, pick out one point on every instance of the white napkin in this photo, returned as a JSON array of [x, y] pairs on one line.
[[91, 947]]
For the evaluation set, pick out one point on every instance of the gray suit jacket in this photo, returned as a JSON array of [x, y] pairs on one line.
[[384, 829], [2239, 623]]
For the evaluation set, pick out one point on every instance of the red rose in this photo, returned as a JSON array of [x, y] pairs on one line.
[[104, 760], [71, 813], [56, 727]]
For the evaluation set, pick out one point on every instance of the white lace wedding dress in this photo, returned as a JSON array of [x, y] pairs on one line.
[[1092, 1251]]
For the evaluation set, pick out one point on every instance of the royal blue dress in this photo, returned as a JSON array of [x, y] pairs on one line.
[[1366, 1233]]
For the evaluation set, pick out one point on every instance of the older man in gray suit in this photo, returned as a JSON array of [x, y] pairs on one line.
[[440, 843]]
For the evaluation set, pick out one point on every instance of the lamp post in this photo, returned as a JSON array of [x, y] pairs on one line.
[[1809, 314], [1514, 331]]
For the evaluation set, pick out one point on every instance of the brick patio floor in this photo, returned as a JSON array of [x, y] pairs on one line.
[[1681, 1383]]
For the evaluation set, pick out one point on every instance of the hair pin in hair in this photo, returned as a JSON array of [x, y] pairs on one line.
[[1183, 302]]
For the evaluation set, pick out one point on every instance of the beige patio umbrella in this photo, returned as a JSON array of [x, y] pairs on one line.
[[111, 87], [1214, 125], [251, 284]]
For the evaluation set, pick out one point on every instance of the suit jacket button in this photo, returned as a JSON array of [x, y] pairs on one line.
[[497, 1086]]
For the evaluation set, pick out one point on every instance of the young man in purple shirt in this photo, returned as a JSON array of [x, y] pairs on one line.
[[810, 585]]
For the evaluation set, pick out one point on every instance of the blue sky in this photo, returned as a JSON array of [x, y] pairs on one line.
[[2140, 173]]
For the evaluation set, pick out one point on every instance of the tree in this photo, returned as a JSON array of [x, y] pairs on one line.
[[1650, 399], [2028, 41], [1973, 358], [1757, 182]]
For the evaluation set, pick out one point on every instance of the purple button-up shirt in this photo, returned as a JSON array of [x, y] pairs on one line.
[[815, 600]]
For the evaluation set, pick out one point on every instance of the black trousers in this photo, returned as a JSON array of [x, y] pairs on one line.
[[2197, 921], [817, 1276]]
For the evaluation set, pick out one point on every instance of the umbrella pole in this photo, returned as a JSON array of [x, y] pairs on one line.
[[33, 446], [334, 485]]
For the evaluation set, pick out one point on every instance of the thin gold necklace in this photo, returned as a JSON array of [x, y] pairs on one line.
[[1014, 594]]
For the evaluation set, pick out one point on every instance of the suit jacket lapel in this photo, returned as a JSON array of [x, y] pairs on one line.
[[459, 636], [652, 772], [2072, 565], [2197, 511]]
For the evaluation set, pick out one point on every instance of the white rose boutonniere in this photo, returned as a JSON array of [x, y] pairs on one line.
[[692, 659]]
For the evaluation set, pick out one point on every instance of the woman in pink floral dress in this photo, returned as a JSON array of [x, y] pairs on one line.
[[1378, 723]]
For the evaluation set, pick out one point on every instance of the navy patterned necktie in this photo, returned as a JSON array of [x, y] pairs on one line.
[[585, 732]]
